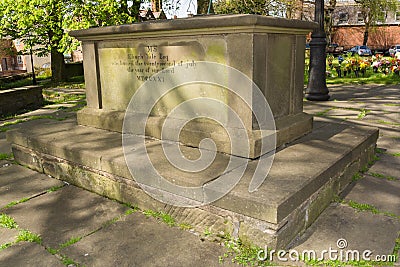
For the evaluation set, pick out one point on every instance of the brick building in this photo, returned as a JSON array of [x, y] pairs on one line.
[[348, 27], [11, 62]]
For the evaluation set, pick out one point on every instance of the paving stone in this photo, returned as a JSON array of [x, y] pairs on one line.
[[5, 163], [390, 119], [7, 235], [142, 241], [17, 182], [381, 193], [28, 254], [342, 113], [68, 212], [388, 165], [389, 142], [5, 147], [362, 231]]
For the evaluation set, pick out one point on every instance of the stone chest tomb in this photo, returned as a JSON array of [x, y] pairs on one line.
[[270, 51]]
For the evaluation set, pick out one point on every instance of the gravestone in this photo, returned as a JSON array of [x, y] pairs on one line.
[[270, 51]]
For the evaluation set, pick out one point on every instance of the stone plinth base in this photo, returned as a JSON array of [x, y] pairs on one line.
[[303, 179], [288, 129]]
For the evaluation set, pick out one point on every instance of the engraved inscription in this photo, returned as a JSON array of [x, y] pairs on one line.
[[144, 63]]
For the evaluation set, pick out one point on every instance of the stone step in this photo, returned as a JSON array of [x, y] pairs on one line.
[[345, 229], [303, 179]]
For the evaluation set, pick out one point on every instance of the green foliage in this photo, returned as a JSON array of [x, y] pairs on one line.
[[67, 261], [52, 251], [185, 226], [70, 242], [129, 212], [382, 176], [363, 113], [16, 84], [4, 246], [281, 8], [369, 208], [207, 232], [7, 222], [243, 254], [26, 235], [54, 188], [6, 156], [362, 207], [396, 249], [241, 7], [165, 217], [103, 13], [36, 22], [43, 25], [13, 203], [372, 12], [357, 177], [323, 113], [360, 70]]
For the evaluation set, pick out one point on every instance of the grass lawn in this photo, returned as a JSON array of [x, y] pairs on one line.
[[45, 81]]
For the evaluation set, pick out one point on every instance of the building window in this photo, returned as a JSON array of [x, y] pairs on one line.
[[360, 17], [381, 17], [19, 59], [397, 16], [343, 17]]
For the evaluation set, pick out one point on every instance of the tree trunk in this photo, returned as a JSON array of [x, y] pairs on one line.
[[202, 7], [366, 33], [57, 66]]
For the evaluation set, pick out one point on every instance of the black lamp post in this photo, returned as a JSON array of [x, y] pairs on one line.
[[316, 89], [30, 42], [33, 69]]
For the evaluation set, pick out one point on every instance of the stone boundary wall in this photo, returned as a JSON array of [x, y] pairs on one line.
[[17, 100]]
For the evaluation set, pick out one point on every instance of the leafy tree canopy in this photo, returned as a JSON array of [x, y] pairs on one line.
[[282, 8], [44, 24]]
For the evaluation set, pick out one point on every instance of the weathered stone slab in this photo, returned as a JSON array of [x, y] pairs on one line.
[[17, 182], [362, 231], [42, 112], [141, 241], [379, 192], [21, 99], [28, 254], [5, 147], [388, 165], [7, 235], [66, 213], [290, 199], [389, 142], [4, 163]]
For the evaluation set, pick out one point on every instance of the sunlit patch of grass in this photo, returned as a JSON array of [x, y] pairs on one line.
[[26, 235], [7, 222]]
